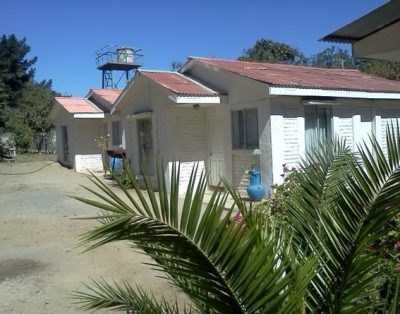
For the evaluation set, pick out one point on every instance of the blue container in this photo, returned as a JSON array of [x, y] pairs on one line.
[[255, 190], [115, 163]]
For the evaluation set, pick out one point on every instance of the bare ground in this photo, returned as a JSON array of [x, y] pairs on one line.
[[40, 263]]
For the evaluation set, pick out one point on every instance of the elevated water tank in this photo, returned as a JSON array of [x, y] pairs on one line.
[[125, 55]]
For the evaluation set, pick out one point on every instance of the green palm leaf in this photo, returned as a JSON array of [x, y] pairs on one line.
[[339, 207], [124, 297], [222, 266]]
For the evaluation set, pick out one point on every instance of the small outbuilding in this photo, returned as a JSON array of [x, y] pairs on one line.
[[79, 121]]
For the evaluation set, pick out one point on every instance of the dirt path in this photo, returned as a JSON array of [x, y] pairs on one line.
[[40, 264]]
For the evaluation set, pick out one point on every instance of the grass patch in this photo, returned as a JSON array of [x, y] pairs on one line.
[[30, 157]]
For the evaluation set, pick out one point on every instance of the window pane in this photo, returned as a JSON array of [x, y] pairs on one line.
[[310, 117], [318, 123], [251, 128], [323, 122], [238, 129], [116, 133]]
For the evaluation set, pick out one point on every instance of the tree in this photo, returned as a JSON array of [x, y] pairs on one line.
[[3, 107], [316, 259], [15, 69], [333, 57], [21, 133], [273, 51], [24, 103], [386, 69], [34, 105]]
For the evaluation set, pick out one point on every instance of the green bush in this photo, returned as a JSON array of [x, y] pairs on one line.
[[124, 176], [23, 137]]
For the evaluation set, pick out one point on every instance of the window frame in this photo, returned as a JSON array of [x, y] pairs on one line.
[[323, 128], [244, 142], [116, 132]]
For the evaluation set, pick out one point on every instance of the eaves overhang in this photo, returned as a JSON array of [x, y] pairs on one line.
[[367, 24], [192, 99], [83, 115], [293, 91]]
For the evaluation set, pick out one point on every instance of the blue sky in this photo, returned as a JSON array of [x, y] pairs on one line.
[[65, 34]]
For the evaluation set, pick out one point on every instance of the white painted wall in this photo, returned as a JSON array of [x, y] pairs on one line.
[[87, 153], [342, 123], [387, 114], [187, 142], [353, 119], [89, 162], [287, 134]]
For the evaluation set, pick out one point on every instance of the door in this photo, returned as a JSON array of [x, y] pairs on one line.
[[145, 139], [65, 147], [216, 146]]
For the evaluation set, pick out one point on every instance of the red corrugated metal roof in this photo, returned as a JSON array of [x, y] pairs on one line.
[[178, 83], [109, 95], [77, 105], [305, 76]]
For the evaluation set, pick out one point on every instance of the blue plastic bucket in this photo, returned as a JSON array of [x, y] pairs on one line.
[[115, 163]]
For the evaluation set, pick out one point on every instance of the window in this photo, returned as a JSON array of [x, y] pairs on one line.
[[65, 147], [318, 123], [145, 141], [116, 133], [245, 129]]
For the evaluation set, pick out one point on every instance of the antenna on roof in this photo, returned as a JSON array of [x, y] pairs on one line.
[[118, 60]]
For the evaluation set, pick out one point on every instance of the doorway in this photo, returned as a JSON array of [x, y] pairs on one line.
[[216, 129]]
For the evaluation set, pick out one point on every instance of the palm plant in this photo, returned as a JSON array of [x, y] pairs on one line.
[[312, 260], [340, 206]]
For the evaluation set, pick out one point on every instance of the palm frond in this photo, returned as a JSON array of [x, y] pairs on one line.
[[339, 207], [220, 265], [101, 294]]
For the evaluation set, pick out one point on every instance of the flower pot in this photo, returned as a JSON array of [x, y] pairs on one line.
[[255, 190]]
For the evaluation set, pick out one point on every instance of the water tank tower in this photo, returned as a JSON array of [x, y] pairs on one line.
[[117, 62]]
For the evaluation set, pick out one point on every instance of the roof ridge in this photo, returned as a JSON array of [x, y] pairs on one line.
[[157, 71], [93, 105], [273, 63], [70, 97], [197, 83], [108, 89]]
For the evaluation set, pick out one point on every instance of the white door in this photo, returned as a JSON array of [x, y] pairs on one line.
[[216, 128]]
